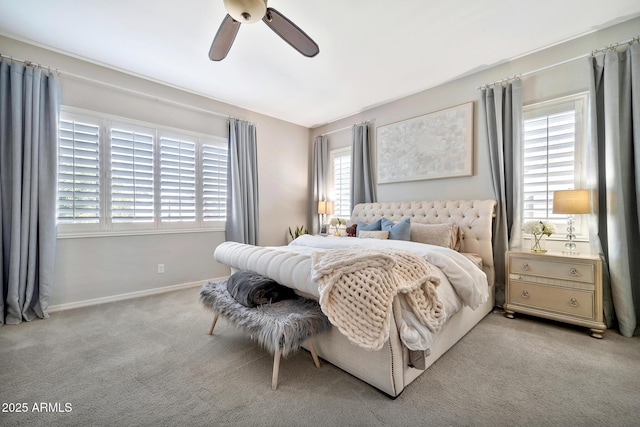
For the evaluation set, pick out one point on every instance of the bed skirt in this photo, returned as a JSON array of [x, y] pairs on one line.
[[388, 369]]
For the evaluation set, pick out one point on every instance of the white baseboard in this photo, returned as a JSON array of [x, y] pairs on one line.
[[130, 295]]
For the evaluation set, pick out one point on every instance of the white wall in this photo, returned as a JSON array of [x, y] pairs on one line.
[[567, 79], [103, 267]]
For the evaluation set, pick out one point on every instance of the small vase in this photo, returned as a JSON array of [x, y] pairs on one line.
[[538, 243]]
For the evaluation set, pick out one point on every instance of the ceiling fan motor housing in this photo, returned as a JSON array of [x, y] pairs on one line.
[[246, 11]]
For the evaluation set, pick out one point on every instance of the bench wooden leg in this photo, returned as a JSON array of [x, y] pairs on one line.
[[276, 369], [213, 324], [314, 355]]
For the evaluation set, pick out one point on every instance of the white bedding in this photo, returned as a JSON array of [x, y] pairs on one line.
[[469, 281], [461, 282]]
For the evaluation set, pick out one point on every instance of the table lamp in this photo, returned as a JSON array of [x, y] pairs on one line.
[[571, 202], [325, 208]]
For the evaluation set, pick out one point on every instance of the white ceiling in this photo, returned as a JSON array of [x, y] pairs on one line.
[[371, 51]]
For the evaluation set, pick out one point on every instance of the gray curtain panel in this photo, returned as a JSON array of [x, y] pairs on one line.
[[363, 189], [503, 115], [29, 115], [242, 193], [614, 168], [320, 176]]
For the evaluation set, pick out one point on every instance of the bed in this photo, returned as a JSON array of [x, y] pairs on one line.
[[462, 270]]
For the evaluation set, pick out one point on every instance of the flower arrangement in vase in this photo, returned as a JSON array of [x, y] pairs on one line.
[[538, 229], [336, 223]]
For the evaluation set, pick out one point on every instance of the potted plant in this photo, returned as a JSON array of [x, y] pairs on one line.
[[297, 232]]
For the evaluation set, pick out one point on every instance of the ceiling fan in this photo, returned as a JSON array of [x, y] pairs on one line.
[[249, 12]]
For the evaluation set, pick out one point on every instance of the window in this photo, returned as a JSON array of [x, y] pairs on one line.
[[214, 182], [177, 180], [131, 175], [554, 136], [79, 171], [126, 176], [340, 164]]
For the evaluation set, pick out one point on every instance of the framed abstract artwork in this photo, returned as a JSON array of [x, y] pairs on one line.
[[432, 146]]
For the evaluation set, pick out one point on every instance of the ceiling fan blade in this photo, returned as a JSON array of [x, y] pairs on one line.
[[224, 39], [290, 33]]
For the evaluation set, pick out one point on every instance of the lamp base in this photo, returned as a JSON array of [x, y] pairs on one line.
[[570, 247]]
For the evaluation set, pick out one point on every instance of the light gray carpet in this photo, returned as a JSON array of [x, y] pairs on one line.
[[150, 362]]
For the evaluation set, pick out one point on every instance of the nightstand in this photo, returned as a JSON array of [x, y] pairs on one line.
[[556, 286]]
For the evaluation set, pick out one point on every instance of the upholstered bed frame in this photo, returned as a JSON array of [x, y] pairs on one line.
[[389, 369]]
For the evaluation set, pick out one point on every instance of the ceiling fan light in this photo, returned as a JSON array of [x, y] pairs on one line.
[[246, 11]]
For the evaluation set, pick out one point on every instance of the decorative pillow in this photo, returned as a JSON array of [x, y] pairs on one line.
[[474, 258], [373, 234], [456, 237], [401, 230], [374, 226], [447, 235]]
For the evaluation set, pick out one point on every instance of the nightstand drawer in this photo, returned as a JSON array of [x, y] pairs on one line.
[[576, 271], [568, 301]]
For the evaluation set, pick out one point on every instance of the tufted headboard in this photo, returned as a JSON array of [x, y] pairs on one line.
[[475, 217]]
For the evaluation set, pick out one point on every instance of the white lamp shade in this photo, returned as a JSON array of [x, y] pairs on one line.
[[571, 202], [325, 207]]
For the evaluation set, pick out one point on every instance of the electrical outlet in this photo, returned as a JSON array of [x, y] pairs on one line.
[[160, 268]]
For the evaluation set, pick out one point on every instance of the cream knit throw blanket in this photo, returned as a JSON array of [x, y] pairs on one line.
[[357, 287]]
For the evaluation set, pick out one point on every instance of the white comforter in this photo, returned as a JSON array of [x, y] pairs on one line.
[[461, 282], [469, 282]]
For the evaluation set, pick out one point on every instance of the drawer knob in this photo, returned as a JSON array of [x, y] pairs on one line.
[[573, 271], [573, 302], [525, 294], [525, 266]]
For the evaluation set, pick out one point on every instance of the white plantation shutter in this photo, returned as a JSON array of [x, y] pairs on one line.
[[79, 172], [154, 178], [131, 176], [214, 182], [177, 180], [549, 153], [341, 163], [552, 146]]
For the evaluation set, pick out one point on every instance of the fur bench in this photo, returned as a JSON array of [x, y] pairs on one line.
[[281, 327]]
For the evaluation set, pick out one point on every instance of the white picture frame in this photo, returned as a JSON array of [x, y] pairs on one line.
[[431, 146]]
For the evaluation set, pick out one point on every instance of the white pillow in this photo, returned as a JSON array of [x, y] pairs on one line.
[[365, 234]]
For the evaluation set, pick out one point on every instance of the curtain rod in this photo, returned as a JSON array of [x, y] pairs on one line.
[[28, 63], [537, 70], [116, 87], [345, 128]]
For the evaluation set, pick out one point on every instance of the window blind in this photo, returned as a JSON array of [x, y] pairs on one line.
[[549, 162], [153, 177], [342, 184], [177, 180], [214, 182], [131, 176], [78, 172]]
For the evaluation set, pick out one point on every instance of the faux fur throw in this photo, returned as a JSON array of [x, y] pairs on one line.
[[283, 325], [357, 287], [252, 289]]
